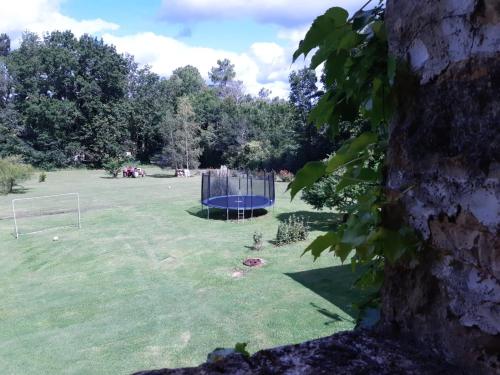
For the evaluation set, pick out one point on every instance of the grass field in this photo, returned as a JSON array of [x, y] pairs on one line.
[[147, 282]]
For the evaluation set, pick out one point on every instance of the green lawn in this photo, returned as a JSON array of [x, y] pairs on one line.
[[147, 282]]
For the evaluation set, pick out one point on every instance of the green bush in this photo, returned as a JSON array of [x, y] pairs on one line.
[[42, 177], [114, 166], [293, 229], [324, 194], [12, 172]]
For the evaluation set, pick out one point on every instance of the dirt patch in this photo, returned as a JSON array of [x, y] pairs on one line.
[[253, 262]]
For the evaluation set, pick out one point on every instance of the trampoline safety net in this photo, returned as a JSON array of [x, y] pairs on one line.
[[230, 190]]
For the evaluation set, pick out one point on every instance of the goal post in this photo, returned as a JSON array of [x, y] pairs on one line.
[[39, 214]]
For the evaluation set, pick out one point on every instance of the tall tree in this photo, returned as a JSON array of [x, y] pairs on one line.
[[182, 138], [429, 220], [223, 73], [4, 44], [147, 107], [445, 145], [223, 79], [315, 143]]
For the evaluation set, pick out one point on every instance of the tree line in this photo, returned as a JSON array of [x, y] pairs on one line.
[[67, 101]]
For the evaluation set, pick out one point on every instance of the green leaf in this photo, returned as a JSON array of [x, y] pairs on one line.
[[393, 244], [342, 250], [321, 243], [306, 176], [350, 151], [321, 114], [321, 29]]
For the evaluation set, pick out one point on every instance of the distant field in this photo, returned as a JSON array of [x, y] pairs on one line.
[[147, 282]]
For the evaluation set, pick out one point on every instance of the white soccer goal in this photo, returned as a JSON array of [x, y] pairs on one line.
[[39, 214]]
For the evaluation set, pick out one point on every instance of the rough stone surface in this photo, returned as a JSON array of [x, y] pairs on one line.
[[355, 352], [445, 153]]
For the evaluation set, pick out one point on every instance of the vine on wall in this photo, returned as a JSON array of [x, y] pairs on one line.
[[359, 77]]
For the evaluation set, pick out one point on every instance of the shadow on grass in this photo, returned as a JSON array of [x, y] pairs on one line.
[[19, 190], [317, 220], [335, 284], [334, 318], [161, 175], [218, 214]]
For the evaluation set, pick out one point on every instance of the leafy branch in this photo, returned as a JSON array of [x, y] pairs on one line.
[[359, 75]]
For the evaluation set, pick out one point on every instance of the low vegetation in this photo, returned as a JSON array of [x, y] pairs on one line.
[[293, 229], [12, 173], [148, 281]]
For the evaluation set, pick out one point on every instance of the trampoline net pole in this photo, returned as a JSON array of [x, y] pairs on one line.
[[227, 196]]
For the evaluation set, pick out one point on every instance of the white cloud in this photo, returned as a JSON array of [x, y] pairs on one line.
[[282, 12], [43, 15], [263, 65]]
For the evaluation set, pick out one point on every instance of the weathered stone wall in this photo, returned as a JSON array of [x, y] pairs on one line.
[[346, 353], [445, 149]]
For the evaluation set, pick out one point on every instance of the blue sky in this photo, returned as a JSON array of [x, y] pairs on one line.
[[258, 36]]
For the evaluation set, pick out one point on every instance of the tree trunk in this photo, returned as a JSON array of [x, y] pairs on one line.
[[445, 144]]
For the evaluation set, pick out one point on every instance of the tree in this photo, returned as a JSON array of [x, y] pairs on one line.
[[222, 74], [4, 44], [445, 126], [147, 107], [182, 138], [114, 165], [314, 140], [421, 226], [223, 79], [189, 139], [190, 81]]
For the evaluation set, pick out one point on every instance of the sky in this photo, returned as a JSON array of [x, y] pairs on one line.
[[258, 36]]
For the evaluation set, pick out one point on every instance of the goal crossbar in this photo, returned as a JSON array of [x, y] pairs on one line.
[[14, 201]]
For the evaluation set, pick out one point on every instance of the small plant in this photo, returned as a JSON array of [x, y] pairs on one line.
[[42, 177], [241, 348], [257, 241], [292, 230], [285, 175]]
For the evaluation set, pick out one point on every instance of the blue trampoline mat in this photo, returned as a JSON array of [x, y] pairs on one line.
[[244, 202]]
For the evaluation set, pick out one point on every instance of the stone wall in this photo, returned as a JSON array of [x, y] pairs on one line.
[[346, 353]]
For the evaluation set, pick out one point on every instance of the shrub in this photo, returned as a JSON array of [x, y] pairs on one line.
[[42, 177], [285, 175], [324, 194], [12, 172], [293, 229], [114, 166], [257, 241]]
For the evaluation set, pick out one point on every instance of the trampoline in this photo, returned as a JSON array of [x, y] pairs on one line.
[[237, 191]]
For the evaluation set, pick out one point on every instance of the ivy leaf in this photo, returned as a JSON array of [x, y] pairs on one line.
[[320, 29], [357, 175], [342, 250], [321, 243], [392, 243], [322, 113], [306, 176], [349, 151]]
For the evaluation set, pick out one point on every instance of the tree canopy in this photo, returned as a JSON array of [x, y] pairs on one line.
[[67, 101]]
